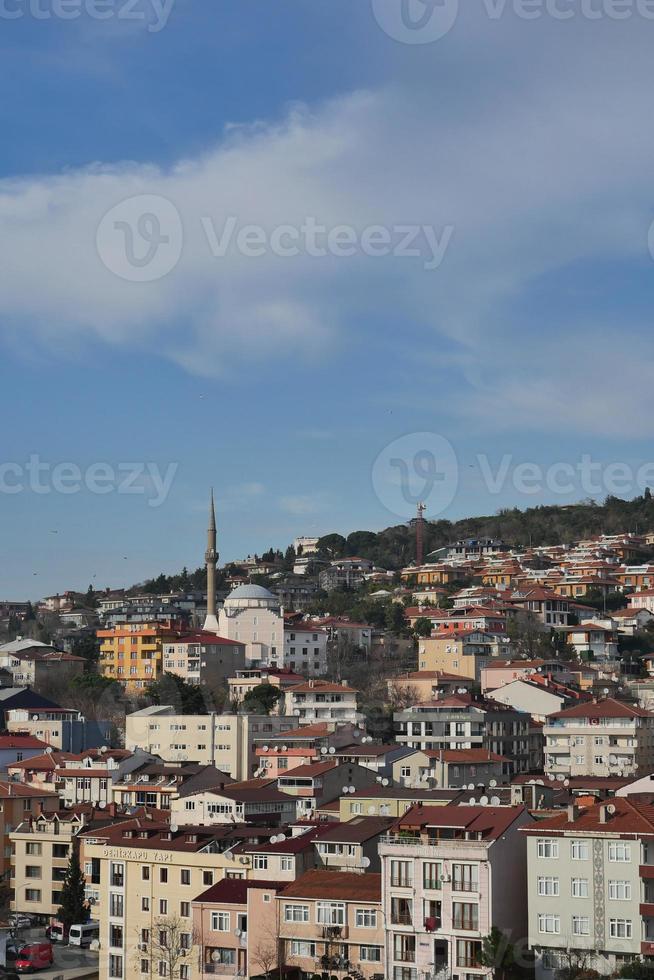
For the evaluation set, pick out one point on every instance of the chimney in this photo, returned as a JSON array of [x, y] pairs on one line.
[[606, 812], [573, 812]]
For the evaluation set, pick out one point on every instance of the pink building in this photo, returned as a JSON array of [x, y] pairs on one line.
[[448, 875]]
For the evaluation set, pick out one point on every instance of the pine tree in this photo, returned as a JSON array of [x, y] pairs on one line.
[[73, 908]]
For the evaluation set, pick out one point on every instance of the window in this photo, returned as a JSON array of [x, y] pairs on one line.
[[163, 875], [467, 953], [145, 904], [366, 918], [32, 895], [579, 850], [163, 906], [296, 913], [185, 910], [370, 954], [34, 850], [145, 872], [465, 915], [286, 863], [552, 959], [260, 862], [620, 928], [580, 925], [402, 874], [431, 874], [404, 948], [620, 891], [548, 886], [32, 871], [220, 922], [207, 878], [115, 965], [465, 878], [301, 948], [116, 905], [580, 887], [330, 913], [619, 851], [185, 876], [548, 848], [405, 771], [549, 924]]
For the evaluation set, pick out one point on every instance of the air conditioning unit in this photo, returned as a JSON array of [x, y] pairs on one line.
[[143, 947], [446, 877]]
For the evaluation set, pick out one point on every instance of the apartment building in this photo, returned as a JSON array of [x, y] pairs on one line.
[[351, 845], [285, 856], [203, 658], [591, 886], [464, 652], [391, 801], [157, 783], [305, 648], [17, 803], [247, 679], [41, 846], [318, 782], [332, 921], [256, 800], [64, 729], [460, 722], [451, 768], [425, 685], [132, 654], [277, 754], [225, 741], [448, 875], [317, 700], [236, 923], [543, 605], [149, 873], [600, 738]]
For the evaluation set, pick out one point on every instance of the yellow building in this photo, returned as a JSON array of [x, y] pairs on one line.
[[463, 652], [133, 654]]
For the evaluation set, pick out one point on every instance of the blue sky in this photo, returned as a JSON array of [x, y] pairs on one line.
[[524, 145]]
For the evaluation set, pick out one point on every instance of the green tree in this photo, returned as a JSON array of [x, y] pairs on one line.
[[87, 646], [497, 953], [188, 699], [261, 699], [422, 626], [73, 908], [395, 619]]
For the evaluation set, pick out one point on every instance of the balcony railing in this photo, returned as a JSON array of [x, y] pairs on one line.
[[219, 970]]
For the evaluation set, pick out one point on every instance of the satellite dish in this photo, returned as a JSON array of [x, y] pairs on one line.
[[323, 750], [384, 782], [611, 808], [493, 782], [483, 801], [35, 717], [281, 837], [346, 789], [472, 801], [365, 862], [284, 748], [174, 828], [471, 786], [49, 750], [105, 748], [605, 691], [495, 801], [332, 750], [353, 789], [265, 748], [356, 733], [273, 839], [102, 805]]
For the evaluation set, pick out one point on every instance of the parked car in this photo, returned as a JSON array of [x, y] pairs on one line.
[[84, 934], [34, 956], [20, 920], [56, 932]]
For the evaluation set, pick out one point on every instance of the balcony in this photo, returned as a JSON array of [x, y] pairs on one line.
[[646, 871], [647, 909], [647, 948], [335, 932], [218, 970], [401, 919]]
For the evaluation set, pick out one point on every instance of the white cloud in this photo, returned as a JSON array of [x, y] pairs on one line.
[[534, 178]]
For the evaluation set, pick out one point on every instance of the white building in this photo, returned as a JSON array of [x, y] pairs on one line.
[[252, 615], [305, 649], [316, 701]]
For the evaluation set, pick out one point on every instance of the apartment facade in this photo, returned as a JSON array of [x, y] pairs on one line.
[[317, 700], [600, 738], [464, 652], [331, 921], [448, 875], [225, 741], [591, 886], [132, 654]]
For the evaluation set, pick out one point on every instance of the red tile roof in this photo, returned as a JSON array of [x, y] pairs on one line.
[[631, 816], [607, 708], [343, 885], [18, 741], [488, 821], [233, 891]]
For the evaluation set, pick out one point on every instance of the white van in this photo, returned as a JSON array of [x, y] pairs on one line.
[[83, 935]]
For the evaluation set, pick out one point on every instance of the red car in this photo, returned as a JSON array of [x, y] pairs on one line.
[[33, 956]]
